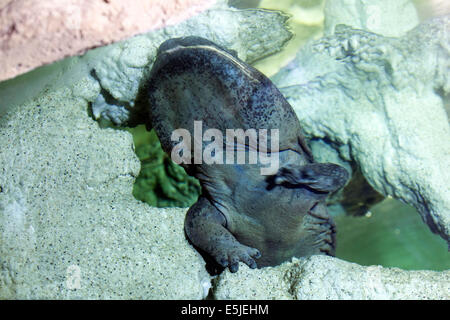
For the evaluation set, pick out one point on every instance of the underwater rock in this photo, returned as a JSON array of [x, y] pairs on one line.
[[323, 277], [71, 27], [69, 225], [386, 17], [123, 69], [381, 100], [305, 22]]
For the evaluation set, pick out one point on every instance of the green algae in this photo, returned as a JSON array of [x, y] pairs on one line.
[[161, 182]]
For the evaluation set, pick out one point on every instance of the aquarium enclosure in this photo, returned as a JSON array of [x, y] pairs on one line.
[[120, 177]]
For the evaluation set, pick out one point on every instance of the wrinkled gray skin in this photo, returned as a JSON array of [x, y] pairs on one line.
[[241, 214]]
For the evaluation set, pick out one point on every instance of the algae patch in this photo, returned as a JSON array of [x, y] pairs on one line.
[[161, 182]]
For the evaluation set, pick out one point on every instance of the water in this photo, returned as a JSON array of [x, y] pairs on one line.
[[393, 236]]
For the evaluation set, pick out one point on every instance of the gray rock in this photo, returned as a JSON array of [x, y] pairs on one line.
[[69, 225], [323, 277], [381, 100]]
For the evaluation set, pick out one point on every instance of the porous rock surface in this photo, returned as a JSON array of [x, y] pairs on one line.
[[69, 225], [323, 277]]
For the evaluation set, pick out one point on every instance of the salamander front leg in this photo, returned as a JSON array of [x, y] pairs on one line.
[[205, 226]]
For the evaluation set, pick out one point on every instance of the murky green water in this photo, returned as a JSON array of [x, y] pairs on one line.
[[393, 236]]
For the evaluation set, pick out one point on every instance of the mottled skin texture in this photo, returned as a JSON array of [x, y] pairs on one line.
[[241, 214]]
